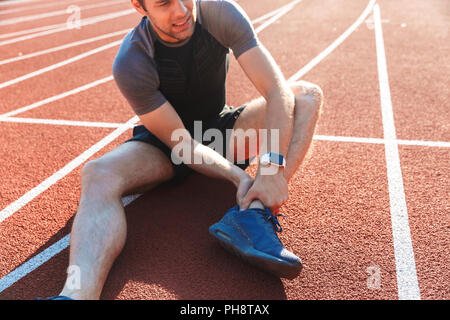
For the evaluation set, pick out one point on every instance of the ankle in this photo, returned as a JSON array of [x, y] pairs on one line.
[[256, 204]]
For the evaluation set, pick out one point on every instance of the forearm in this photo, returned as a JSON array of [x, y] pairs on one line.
[[210, 163], [279, 122]]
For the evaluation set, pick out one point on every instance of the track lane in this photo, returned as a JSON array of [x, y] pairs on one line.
[[103, 102], [51, 11], [85, 14], [41, 7], [332, 290], [427, 181], [86, 70], [21, 68], [338, 118], [419, 69], [342, 180]]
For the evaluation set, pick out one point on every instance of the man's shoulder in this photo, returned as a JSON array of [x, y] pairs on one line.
[[211, 10], [228, 23], [136, 51]]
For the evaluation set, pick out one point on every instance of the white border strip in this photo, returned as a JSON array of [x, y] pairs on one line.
[[41, 258], [438, 144], [64, 242], [47, 183], [30, 195], [47, 254], [60, 64], [38, 6], [65, 46], [57, 122], [272, 13], [419, 143], [35, 17], [46, 30], [334, 45], [34, 263], [12, 2], [408, 286], [279, 13], [58, 97]]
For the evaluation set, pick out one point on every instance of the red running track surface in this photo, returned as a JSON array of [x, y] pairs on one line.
[[340, 211]]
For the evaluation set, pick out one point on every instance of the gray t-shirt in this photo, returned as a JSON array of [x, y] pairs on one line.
[[134, 67]]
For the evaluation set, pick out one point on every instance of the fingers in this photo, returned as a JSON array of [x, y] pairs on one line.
[[273, 204], [248, 198], [271, 195]]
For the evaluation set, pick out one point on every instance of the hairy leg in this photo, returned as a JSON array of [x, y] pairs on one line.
[[99, 229]]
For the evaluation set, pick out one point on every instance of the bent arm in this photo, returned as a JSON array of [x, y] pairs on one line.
[[266, 76], [165, 123]]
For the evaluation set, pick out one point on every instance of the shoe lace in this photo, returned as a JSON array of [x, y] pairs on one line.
[[273, 219]]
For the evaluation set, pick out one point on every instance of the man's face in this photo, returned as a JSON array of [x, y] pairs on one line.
[[173, 20]]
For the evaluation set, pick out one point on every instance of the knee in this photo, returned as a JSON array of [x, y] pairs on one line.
[[308, 96], [98, 178]]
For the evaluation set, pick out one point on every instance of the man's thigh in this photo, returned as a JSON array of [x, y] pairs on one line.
[[245, 140], [251, 120], [138, 166]]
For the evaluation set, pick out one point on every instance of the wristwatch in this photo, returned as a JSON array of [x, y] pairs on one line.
[[272, 158]]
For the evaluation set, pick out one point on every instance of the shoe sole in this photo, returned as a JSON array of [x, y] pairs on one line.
[[239, 246]]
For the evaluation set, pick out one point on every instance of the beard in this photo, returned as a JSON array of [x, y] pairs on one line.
[[173, 34]]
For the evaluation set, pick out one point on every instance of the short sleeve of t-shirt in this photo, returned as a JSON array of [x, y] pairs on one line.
[[134, 68], [136, 76], [229, 24]]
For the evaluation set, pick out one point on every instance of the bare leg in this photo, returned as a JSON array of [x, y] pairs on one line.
[[308, 103], [99, 229]]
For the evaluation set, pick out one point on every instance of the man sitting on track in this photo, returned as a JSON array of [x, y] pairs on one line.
[[171, 68]]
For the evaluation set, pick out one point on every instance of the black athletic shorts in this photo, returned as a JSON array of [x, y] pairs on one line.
[[225, 120]]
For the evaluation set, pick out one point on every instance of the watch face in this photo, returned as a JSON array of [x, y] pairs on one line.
[[276, 158], [272, 158]]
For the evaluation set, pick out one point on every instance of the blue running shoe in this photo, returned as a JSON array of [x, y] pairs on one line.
[[252, 235], [56, 298]]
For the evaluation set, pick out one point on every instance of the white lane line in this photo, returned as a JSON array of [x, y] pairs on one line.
[[347, 139], [12, 2], [40, 103], [47, 183], [50, 29], [35, 262], [39, 6], [14, 276], [113, 44], [2, 286], [46, 30], [65, 46], [279, 14], [38, 260], [417, 143], [61, 122], [272, 13], [60, 64], [422, 143], [407, 283], [334, 45], [58, 97], [35, 17]]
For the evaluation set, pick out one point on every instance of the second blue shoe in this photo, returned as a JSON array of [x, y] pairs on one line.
[[252, 235]]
